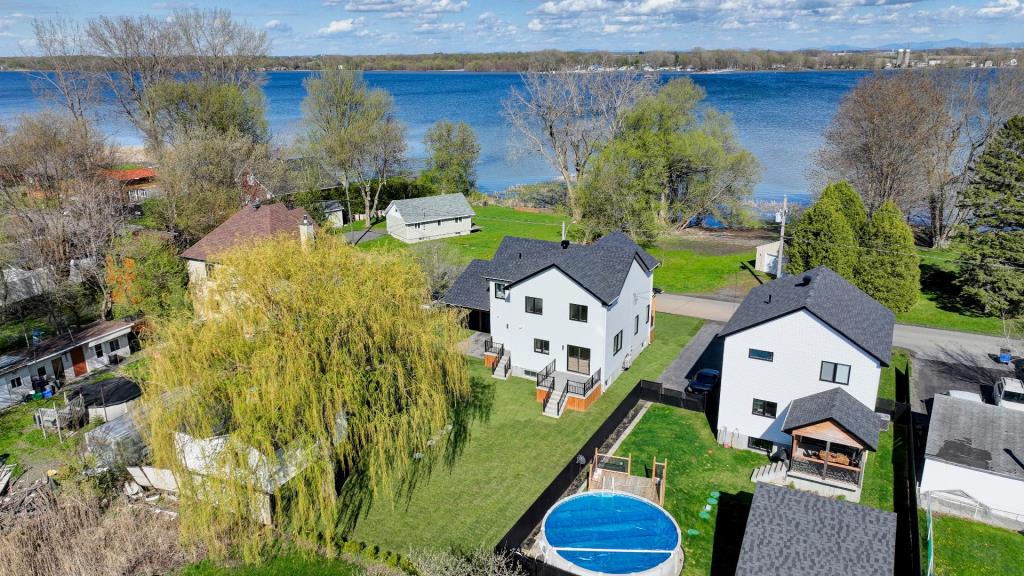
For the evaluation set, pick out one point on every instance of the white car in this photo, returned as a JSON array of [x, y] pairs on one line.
[[1009, 393]]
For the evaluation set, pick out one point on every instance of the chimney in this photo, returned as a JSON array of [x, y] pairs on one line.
[[306, 232]]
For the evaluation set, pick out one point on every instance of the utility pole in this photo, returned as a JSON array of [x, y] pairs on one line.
[[779, 269]]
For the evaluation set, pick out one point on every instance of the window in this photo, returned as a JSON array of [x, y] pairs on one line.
[[114, 344], [578, 312], [41, 371], [534, 305], [577, 359], [16, 382], [99, 350], [764, 408], [761, 355], [541, 346], [500, 290], [617, 343], [760, 444], [647, 318], [832, 372], [636, 324]]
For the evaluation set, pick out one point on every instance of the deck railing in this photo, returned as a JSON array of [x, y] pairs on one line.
[[506, 366], [561, 403], [547, 374], [490, 346], [584, 388], [827, 473]]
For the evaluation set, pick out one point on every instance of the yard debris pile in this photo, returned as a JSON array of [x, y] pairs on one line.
[[25, 501]]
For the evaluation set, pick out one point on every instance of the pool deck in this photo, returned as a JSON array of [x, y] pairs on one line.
[[622, 482]]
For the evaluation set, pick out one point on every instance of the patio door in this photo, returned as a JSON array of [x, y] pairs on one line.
[[578, 359]]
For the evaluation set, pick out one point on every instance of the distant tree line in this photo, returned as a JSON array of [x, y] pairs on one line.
[[696, 59]]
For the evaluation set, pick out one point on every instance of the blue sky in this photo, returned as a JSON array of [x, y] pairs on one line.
[[418, 26]]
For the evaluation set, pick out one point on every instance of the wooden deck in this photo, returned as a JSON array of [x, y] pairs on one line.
[[621, 482]]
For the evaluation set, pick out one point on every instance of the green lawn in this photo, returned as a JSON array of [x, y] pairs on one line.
[[878, 478], [937, 305], [965, 547], [23, 444], [697, 466], [511, 457], [13, 333], [281, 566]]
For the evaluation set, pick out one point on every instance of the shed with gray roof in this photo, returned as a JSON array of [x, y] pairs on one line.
[[429, 217], [825, 294], [795, 533], [976, 449]]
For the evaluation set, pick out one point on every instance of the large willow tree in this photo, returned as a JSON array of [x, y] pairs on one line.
[[323, 363]]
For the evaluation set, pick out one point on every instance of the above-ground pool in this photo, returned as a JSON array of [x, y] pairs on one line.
[[611, 533]]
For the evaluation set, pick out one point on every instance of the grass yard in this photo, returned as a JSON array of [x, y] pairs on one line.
[[511, 456], [281, 566], [23, 444], [966, 547], [878, 478], [937, 306], [697, 465]]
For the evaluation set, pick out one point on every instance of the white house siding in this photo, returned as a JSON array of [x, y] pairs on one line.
[[410, 233], [636, 295], [512, 326], [1001, 493], [92, 362], [196, 272], [800, 343]]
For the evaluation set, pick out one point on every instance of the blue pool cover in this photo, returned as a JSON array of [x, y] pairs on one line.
[[611, 533]]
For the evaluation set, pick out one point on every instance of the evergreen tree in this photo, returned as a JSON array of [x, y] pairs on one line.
[[822, 237], [889, 267], [992, 279], [849, 204]]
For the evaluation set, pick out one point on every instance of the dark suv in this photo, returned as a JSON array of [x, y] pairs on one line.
[[705, 380]]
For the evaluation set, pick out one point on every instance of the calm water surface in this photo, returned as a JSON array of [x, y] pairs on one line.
[[779, 117]]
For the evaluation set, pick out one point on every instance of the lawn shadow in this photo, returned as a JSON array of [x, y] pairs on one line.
[[730, 525], [941, 284]]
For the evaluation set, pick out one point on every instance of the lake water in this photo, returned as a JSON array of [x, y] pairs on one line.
[[779, 116]]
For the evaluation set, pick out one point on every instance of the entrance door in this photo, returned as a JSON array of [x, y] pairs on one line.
[[78, 361], [578, 359], [58, 368]]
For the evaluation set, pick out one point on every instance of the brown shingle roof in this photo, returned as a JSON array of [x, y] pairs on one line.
[[249, 223], [62, 343]]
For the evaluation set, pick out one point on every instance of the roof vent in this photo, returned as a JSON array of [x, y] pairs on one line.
[[256, 204], [768, 300], [805, 281], [565, 244], [520, 255]]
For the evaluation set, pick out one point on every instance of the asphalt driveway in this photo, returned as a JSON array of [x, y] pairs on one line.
[[965, 373]]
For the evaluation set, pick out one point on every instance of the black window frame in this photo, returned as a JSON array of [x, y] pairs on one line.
[[647, 319], [584, 317], [617, 343], [15, 382], [835, 372], [752, 356], [503, 289], [636, 324], [764, 408], [41, 371], [98, 350], [539, 310], [114, 344], [760, 444], [545, 349]]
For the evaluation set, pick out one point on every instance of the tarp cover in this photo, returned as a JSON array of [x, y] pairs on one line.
[[110, 392]]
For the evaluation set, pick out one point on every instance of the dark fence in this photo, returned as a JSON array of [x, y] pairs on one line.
[[904, 460], [523, 527], [655, 392]]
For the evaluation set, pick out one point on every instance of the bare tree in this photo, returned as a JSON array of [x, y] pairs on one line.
[[977, 105], [67, 78], [566, 115], [60, 212], [142, 51], [882, 139]]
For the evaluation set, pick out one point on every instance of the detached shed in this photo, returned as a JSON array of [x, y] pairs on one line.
[[429, 218], [767, 259]]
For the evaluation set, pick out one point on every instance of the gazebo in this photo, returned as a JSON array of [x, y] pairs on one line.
[[832, 433]]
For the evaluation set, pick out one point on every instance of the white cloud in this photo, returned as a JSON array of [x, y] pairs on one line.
[[1002, 8], [561, 7], [921, 29], [340, 26], [278, 26], [439, 27], [404, 8], [535, 25]]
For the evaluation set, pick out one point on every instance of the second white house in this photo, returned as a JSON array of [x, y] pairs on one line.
[[571, 316], [430, 217]]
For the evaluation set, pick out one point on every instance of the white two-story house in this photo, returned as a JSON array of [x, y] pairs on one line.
[[801, 362], [570, 316]]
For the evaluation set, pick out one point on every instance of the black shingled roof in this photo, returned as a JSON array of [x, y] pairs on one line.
[[836, 405], [600, 268], [822, 292], [794, 533]]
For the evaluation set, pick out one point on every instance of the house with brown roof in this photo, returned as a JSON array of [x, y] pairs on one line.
[[137, 184], [254, 222]]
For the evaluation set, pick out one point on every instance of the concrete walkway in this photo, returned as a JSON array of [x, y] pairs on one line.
[[931, 343], [357, 235], [675, 375]]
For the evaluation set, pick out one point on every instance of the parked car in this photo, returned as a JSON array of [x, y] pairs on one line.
[[705, 380], [1009, 393]]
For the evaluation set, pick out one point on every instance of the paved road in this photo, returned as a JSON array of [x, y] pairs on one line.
[[354, 236], [698, 353], [931, 343]]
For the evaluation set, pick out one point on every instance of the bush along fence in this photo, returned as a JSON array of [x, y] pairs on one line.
[[512, 543]]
